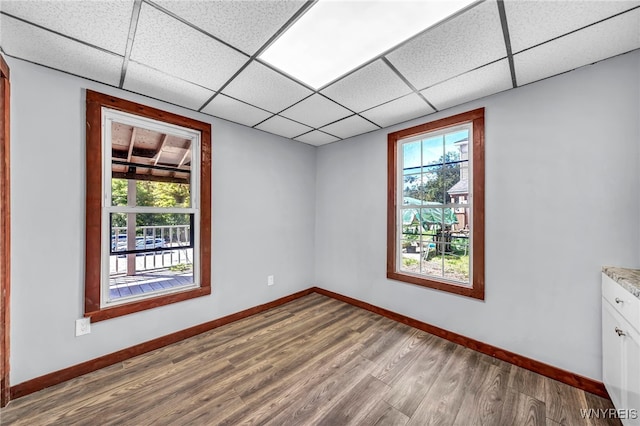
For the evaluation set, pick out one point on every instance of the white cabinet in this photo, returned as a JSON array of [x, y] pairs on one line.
[[611, 355], [621, 349]]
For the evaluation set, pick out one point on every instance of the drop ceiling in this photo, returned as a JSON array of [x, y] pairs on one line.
[[204, 55]]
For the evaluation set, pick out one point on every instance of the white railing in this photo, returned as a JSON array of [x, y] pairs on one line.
[[169, 233], [175, 249]]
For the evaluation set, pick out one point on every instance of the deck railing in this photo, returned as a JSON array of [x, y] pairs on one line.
[[176, 248]]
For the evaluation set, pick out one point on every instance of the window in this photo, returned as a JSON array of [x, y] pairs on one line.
[[435, 206], [147, 209]]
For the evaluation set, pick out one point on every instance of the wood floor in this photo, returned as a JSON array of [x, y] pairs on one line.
[[314, 361]]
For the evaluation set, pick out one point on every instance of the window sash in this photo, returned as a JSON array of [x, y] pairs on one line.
[[400, 195], [110, 116], [105, 299]]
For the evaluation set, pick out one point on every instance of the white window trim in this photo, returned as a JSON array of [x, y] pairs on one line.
[[402, 206]]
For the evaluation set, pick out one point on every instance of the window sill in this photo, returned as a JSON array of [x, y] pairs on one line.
[[476, 292], [143, 305]]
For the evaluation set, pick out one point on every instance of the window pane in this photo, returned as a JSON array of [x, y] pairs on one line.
[[150, 167], [150, 194], [456, 261], [429, 231], [457, 248], [410, 262], [173, 228], [458, 192], [450, 180], [457, 174], [438, 224], [154, 254], [462, 218], [455, 146], [432, 263], [412, 189], [433, 188], [432, 151], [410, 224], [411, 156]]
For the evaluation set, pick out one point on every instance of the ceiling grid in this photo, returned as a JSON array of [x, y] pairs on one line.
[[507, 42], [408, 83], [252, 58], [135, 14], [205, 56]]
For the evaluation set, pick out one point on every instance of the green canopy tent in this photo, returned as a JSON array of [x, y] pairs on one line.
[[427, 216]]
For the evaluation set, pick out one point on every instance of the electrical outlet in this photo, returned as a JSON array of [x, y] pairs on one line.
[[270, 280], [83, 326]]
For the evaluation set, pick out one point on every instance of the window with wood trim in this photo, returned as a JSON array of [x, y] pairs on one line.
[[435, 206], [148, 199]]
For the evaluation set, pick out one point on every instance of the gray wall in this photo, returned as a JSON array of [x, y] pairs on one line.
[[562, 200], [263, 216], [562, 196]]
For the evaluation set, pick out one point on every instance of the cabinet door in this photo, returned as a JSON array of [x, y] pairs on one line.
[[612, 359], [631, 374]]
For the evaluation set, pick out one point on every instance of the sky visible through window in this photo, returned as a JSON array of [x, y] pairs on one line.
[[433, 149]]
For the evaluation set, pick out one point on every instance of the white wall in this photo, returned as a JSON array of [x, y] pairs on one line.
[[263, 216], [562, 200]]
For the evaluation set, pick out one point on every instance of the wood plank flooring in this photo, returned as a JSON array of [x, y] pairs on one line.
[[313, 361]]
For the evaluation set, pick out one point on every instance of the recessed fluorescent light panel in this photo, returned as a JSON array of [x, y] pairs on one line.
[[335, 36]]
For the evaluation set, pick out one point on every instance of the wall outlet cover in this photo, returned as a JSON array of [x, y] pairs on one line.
[[83, 326]]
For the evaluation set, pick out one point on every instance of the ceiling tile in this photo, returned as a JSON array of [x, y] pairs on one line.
[[101, 23], [33, 44], [372, 85], [231, 109], [530, 24], [403, 109], [168, 45], [611, 37], [475, 84], [247, 25], [469, 41], [265, 88], [316, 111], [350, 126], [147, 81], [283, 127], [316, 138]]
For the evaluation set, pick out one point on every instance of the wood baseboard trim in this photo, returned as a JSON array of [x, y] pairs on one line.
[[51, 379], [584, 383]]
